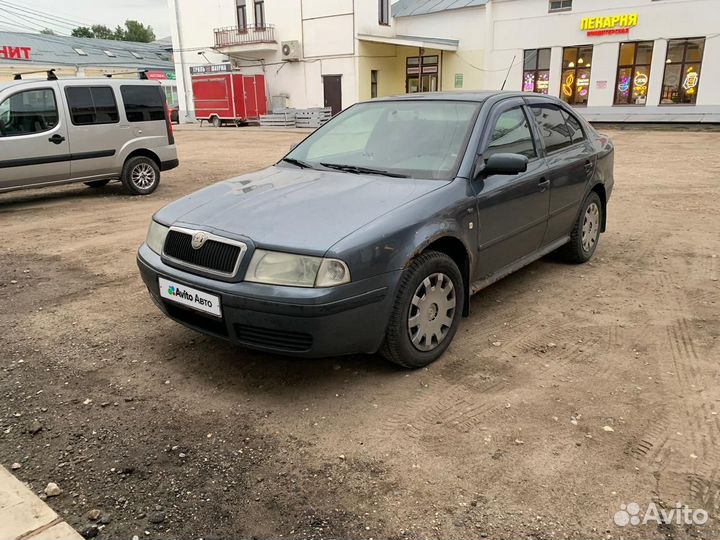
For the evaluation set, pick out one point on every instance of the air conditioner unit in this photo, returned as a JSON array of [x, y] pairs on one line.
[[290, 51]]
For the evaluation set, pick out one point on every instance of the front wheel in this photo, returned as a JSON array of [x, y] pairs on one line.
[[586, 231], [426, 313], [141, 175]]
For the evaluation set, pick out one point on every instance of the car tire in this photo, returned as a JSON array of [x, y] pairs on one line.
[[141, 175], [216, 122], [97, 183], [432, 283], [586, 232]]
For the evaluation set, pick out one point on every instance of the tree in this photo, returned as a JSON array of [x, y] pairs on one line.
[[133, 31], [47, 31]]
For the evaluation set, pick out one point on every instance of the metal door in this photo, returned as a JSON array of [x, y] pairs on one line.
[[332, 88]]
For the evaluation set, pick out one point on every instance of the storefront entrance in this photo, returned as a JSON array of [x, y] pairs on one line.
[[421, 74]]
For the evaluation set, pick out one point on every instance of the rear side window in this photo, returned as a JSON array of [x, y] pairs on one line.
[[553, 130], [511, 134], [28, 112], [143, 103], [574, 127], [92, 105]]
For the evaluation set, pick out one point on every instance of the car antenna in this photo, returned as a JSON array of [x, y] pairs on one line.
[[50, 74], [508, 72]]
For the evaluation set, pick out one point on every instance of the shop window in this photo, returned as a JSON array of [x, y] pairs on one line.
[[511, 135], [560, 5], [575, 81], [536, 71], [92, 105], [28, 112], [553, 129], [384, 12], [143, 103], [373, 83], [682, 71], [241, 8], [633, 73], [421, 74], [259, 13]]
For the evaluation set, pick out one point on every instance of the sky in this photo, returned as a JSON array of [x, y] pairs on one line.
[[86, 12]]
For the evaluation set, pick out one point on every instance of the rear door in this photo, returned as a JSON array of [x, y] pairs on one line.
[[144, 110], [570, 159], [512, 209], [34, 147], [251, 98], [97, 133]]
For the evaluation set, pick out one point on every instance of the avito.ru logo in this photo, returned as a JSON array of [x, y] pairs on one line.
[[630, 514]]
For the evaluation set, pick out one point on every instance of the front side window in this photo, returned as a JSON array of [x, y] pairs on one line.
[[259, 14], [633, 74], [553, 129], [536, 71], [92, 105], [143, 103], [682, 71], [384, 12], [575, 81], [511, 134], [28, 112], [241, 14], [420, 139]]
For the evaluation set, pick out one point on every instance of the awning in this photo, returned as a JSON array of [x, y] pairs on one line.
[[414, 41]]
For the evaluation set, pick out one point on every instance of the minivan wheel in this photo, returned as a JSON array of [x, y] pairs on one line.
[[141, 175], [97, 183], [426, 313], [216, 121], [586, 232]]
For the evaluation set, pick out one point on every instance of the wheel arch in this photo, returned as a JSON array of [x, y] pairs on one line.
[[144, 152], [599, 188], [456, 249]]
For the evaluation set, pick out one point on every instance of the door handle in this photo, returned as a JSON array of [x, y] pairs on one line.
[[56, 139], [544, 184]]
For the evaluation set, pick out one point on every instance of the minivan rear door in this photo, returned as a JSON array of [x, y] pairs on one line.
[[96, 131], [144, 107], [34, 146]]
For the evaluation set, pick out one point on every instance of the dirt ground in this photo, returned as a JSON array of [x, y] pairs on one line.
[[569, 391]]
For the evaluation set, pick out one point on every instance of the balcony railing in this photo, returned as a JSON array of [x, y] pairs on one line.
[[250, 34]]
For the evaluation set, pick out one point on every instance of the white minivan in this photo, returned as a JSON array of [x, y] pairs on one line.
[[84, 130]]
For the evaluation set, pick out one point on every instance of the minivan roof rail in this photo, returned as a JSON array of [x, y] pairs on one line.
[[141, 73], [50, 74]]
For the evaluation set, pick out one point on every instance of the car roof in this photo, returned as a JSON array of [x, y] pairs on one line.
[[77, 81], [478, 96]]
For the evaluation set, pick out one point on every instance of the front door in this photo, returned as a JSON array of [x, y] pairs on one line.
[[33, 138], [332, 88], [512, 209]]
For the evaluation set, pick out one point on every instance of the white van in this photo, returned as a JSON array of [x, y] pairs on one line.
[[84, 130]]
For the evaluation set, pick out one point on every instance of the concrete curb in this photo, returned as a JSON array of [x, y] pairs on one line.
[[23, 516]]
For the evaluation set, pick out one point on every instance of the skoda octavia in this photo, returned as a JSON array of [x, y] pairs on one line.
[[373, 232]]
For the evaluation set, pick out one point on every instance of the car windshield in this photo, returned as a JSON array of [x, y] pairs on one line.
[[418, 139]]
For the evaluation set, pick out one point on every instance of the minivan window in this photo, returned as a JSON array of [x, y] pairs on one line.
[[143, 103], [511, 134], [553, 129], [92, 105], [28, 112]]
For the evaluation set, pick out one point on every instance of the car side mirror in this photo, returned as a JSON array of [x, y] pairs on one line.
[[505, 164]]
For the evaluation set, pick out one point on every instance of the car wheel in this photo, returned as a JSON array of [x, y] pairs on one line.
[[97, 183], [141, 175], [586, 232], [426, 313], [216, 121]]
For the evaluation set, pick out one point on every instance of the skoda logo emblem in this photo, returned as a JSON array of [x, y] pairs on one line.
[[199, 239]]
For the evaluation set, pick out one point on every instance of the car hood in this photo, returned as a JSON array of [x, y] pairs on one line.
[[301, 210]]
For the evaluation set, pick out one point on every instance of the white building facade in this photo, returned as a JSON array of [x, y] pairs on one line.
[[616, 61]]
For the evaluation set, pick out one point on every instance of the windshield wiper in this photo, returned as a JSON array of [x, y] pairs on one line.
[[363, 170], [298, 162]]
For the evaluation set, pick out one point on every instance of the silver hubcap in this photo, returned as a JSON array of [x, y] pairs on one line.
[[143, 176], [591, 227], [432, 311]]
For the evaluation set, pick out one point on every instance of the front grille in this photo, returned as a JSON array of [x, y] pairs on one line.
[[213, 255], [275, 339], [193, 318]]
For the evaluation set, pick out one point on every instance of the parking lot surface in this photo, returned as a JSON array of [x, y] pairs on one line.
[[569, 391]]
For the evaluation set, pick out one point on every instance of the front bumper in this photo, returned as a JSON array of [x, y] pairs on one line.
[[296, 321]]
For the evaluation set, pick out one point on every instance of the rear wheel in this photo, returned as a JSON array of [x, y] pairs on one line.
[[97, 183], [586, 232], [426, 313], [141, 175]]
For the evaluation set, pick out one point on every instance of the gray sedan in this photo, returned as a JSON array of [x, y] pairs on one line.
[[373, 232]]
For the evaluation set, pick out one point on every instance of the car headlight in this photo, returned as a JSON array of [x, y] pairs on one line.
[[156, 236], [275, 268]]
